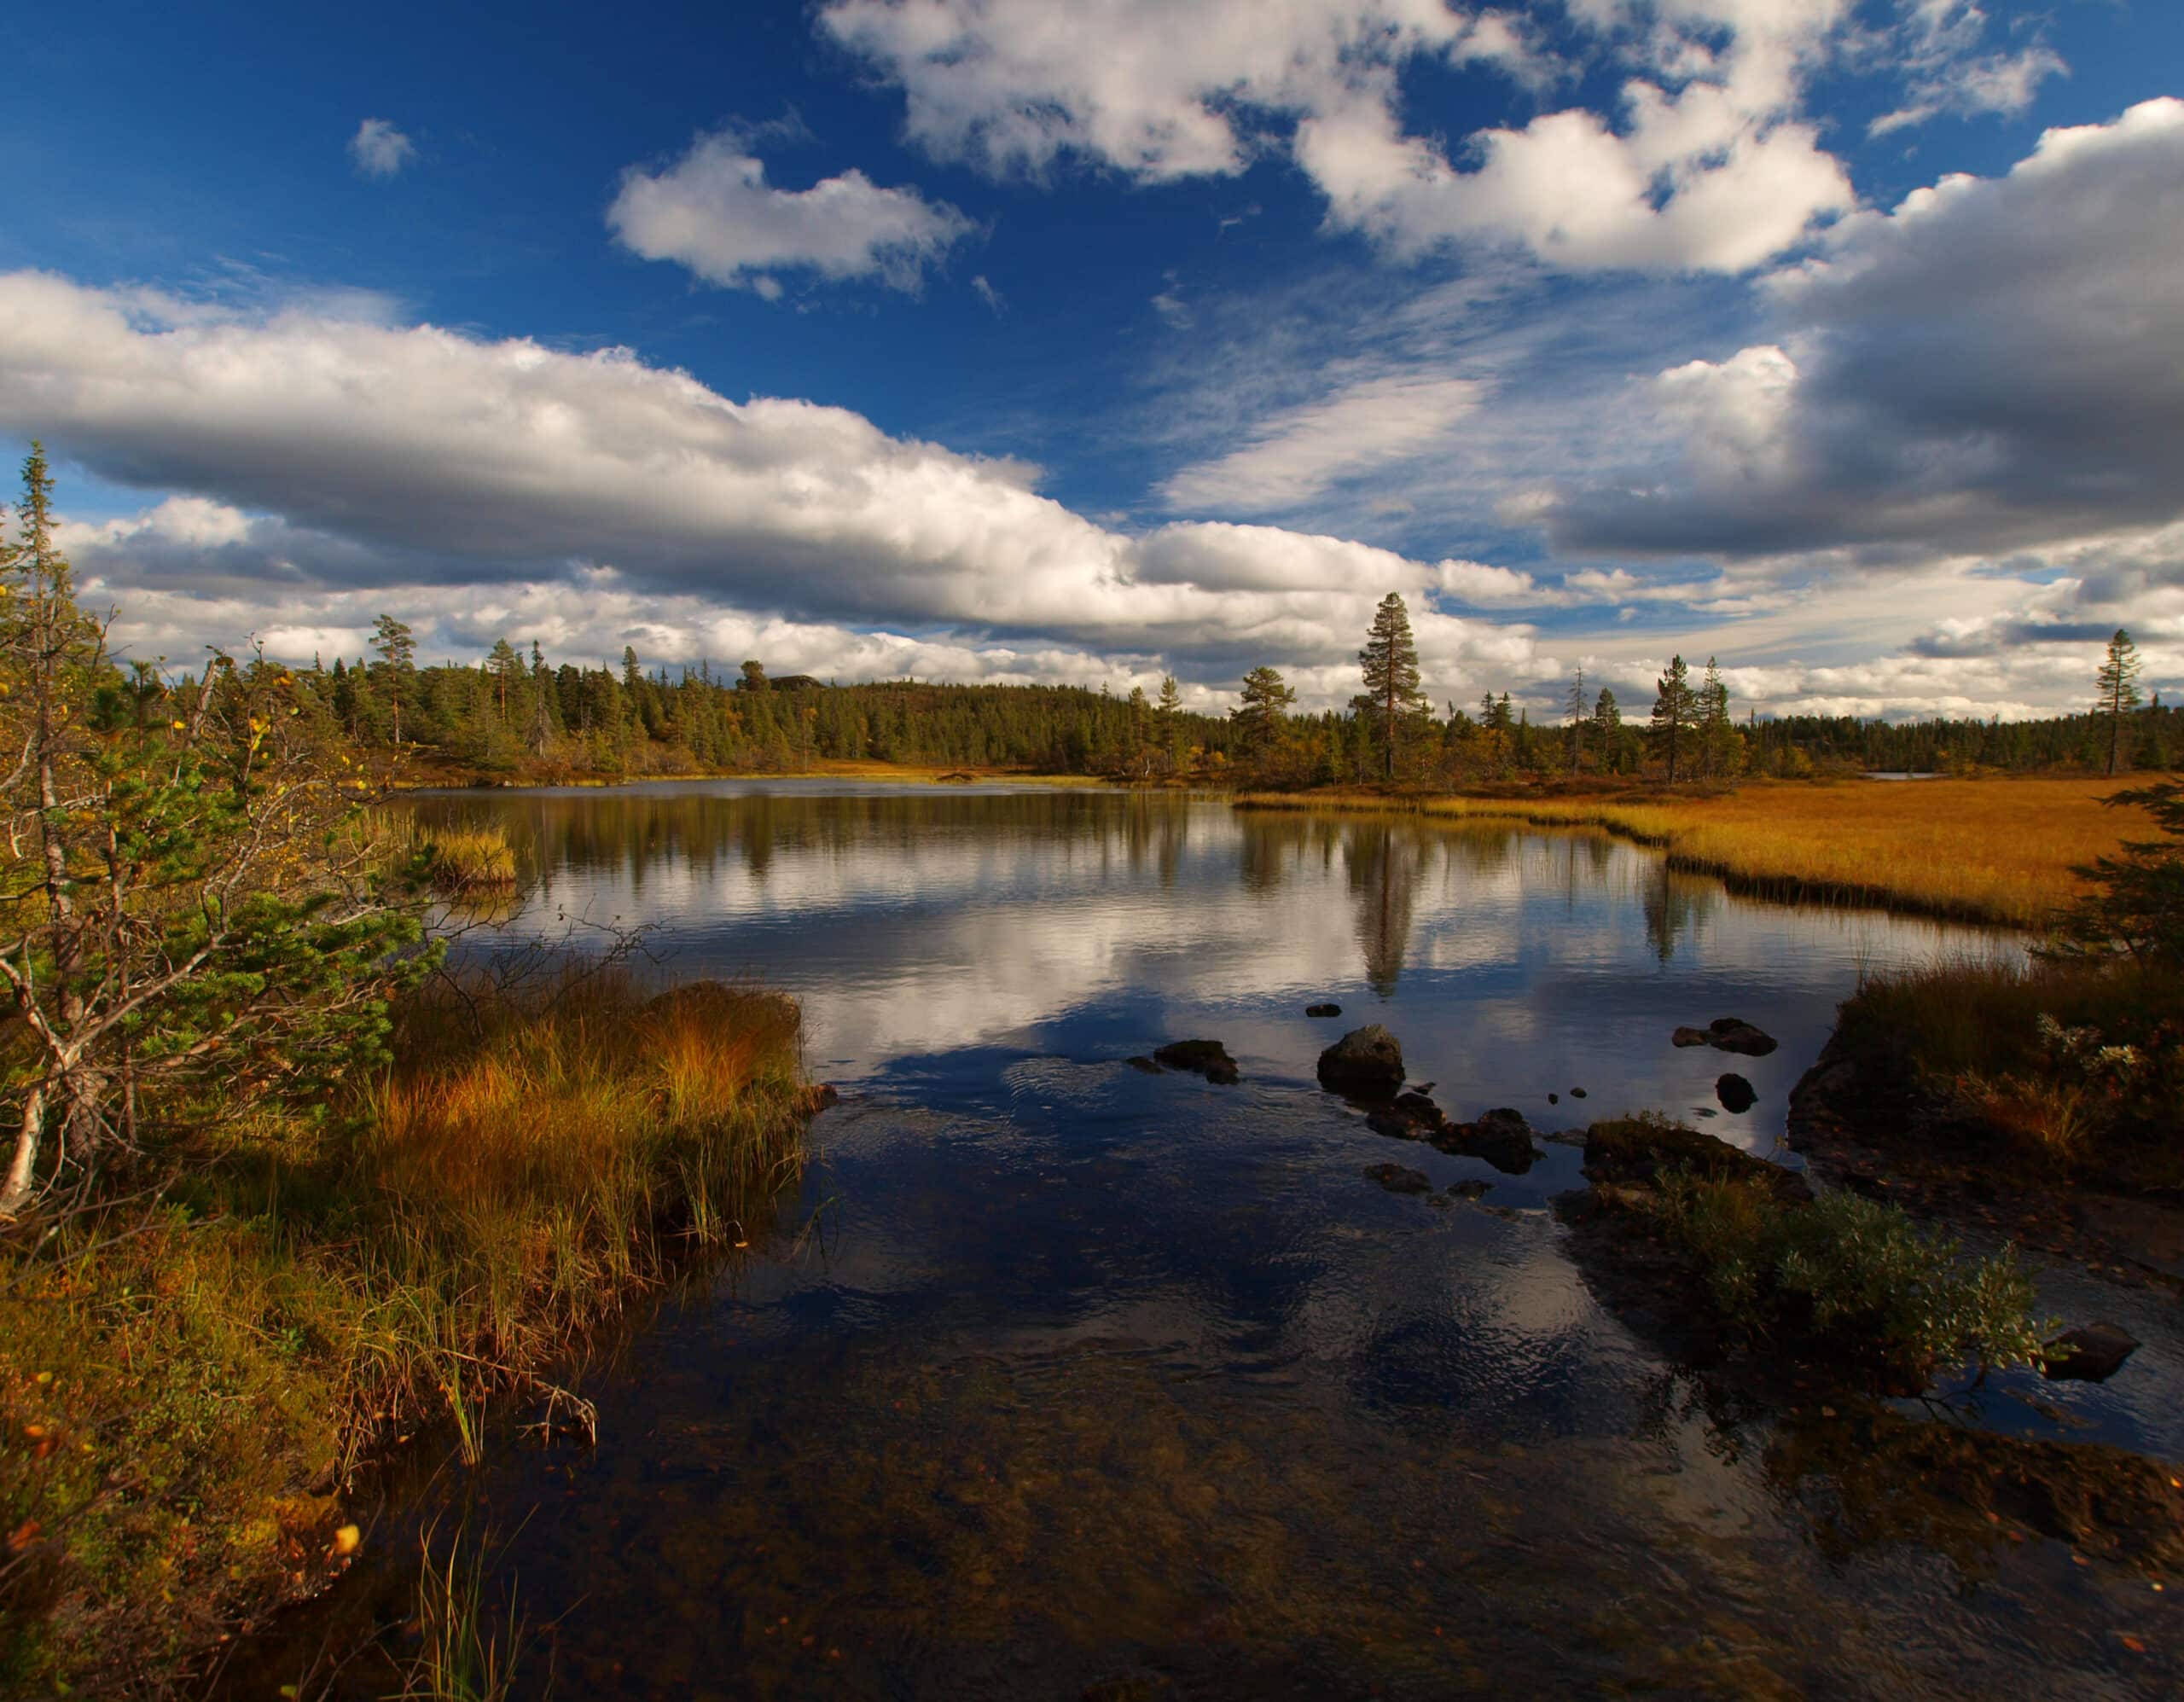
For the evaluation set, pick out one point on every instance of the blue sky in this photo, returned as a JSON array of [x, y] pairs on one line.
[[994, 339]]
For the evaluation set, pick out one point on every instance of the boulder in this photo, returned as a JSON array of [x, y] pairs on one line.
[[1577, 1092], [1323, 1010], [1735, 1094], [1409, 1116], [2091, 1352], [1691, 1037], [1366, 1063], [1398, 1180], [1734, 1034], [1207, 1058]]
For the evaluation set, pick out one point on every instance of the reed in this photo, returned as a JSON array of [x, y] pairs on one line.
[[1982, 851]]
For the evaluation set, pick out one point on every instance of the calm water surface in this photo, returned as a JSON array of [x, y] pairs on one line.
[[1057, 1379]]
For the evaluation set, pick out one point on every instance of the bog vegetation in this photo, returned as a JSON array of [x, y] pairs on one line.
[[282, 1185]]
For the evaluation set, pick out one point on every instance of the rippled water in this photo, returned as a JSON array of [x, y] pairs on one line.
[[1060, 1378]]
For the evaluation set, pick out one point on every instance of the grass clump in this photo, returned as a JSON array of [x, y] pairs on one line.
[[1847, 1281], [472, 860], [190, 1371], [2067, 1066]]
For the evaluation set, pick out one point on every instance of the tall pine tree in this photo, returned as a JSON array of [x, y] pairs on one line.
[[1390, 663]]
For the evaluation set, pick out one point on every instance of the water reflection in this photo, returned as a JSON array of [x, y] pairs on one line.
[[1094, 1383]]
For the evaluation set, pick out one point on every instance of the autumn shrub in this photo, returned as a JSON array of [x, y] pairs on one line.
[[1849, 1280]]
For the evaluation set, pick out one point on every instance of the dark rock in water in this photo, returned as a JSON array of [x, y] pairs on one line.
[[1630, 1151], [1147, 1067], [1734, 1034], [2091, 1352], [1500, 1137], [1577, 1092], [1398, 1180], [1690, 1037], [1554, 1099], [1704, 1111], [1207, 1058], [1471, 1189], [1409, 1117], [1366, 1063], [1323, 1010], [1735, 1094]]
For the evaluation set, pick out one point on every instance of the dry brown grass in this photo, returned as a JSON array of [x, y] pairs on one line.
[[1993, 850]]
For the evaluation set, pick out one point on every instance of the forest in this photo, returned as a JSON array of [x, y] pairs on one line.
[[515, 716]]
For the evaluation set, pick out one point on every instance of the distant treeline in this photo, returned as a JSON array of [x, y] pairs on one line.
[[519, 715]]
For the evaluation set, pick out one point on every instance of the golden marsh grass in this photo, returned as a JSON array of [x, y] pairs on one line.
[[1988, 851]]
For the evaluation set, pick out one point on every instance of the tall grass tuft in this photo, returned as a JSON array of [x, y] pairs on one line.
[[472, 861], [463, 1655]]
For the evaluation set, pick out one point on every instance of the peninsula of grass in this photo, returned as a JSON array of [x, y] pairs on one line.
[[2001, 851], [193, 1372]]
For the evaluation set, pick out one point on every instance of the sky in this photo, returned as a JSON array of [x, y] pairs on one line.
[[1092, 340]]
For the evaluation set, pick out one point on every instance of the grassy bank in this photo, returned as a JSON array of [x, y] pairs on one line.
[[1981, 850], [188, 1378], [425, 769]]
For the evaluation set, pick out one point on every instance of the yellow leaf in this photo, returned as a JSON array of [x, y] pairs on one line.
[[347, 1539]]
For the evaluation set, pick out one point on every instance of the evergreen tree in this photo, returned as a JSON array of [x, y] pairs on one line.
[[754, 678], [506, 667], [1575, 711], [1607, 731], [1718, 735], [1676, 712], [397, 648], [1389, 662], [1266, 698], [2119, 679]]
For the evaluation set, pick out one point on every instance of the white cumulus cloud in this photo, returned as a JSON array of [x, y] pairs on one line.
[[713, 211]]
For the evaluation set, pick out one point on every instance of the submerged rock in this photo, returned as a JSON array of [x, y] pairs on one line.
[[1409, 1116], [1735, 1094], [1366, 1063], [2091, 1352], [1147, 1066], [1734, 1034], [1398, 1179], [1728, 1034], [1471, 1188], [1323, 1010], [1207, 1058], [1500, 1137]]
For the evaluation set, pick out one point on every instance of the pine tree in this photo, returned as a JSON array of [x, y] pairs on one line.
[[1266, 697], [1674, 714], [2118, 680], [1390, 664], [505, 665], [397, 648]]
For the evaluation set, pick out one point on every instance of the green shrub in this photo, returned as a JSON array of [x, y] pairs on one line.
[[1850, 1277]]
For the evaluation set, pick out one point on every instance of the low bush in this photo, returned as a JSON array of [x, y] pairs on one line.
[[1849, 1279]]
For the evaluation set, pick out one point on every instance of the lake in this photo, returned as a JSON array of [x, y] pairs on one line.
[[1060, 1378]]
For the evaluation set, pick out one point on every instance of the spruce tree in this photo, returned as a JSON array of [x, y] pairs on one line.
[[1607, 729], [1390, 664], [1574, 708], [2118, 680]]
